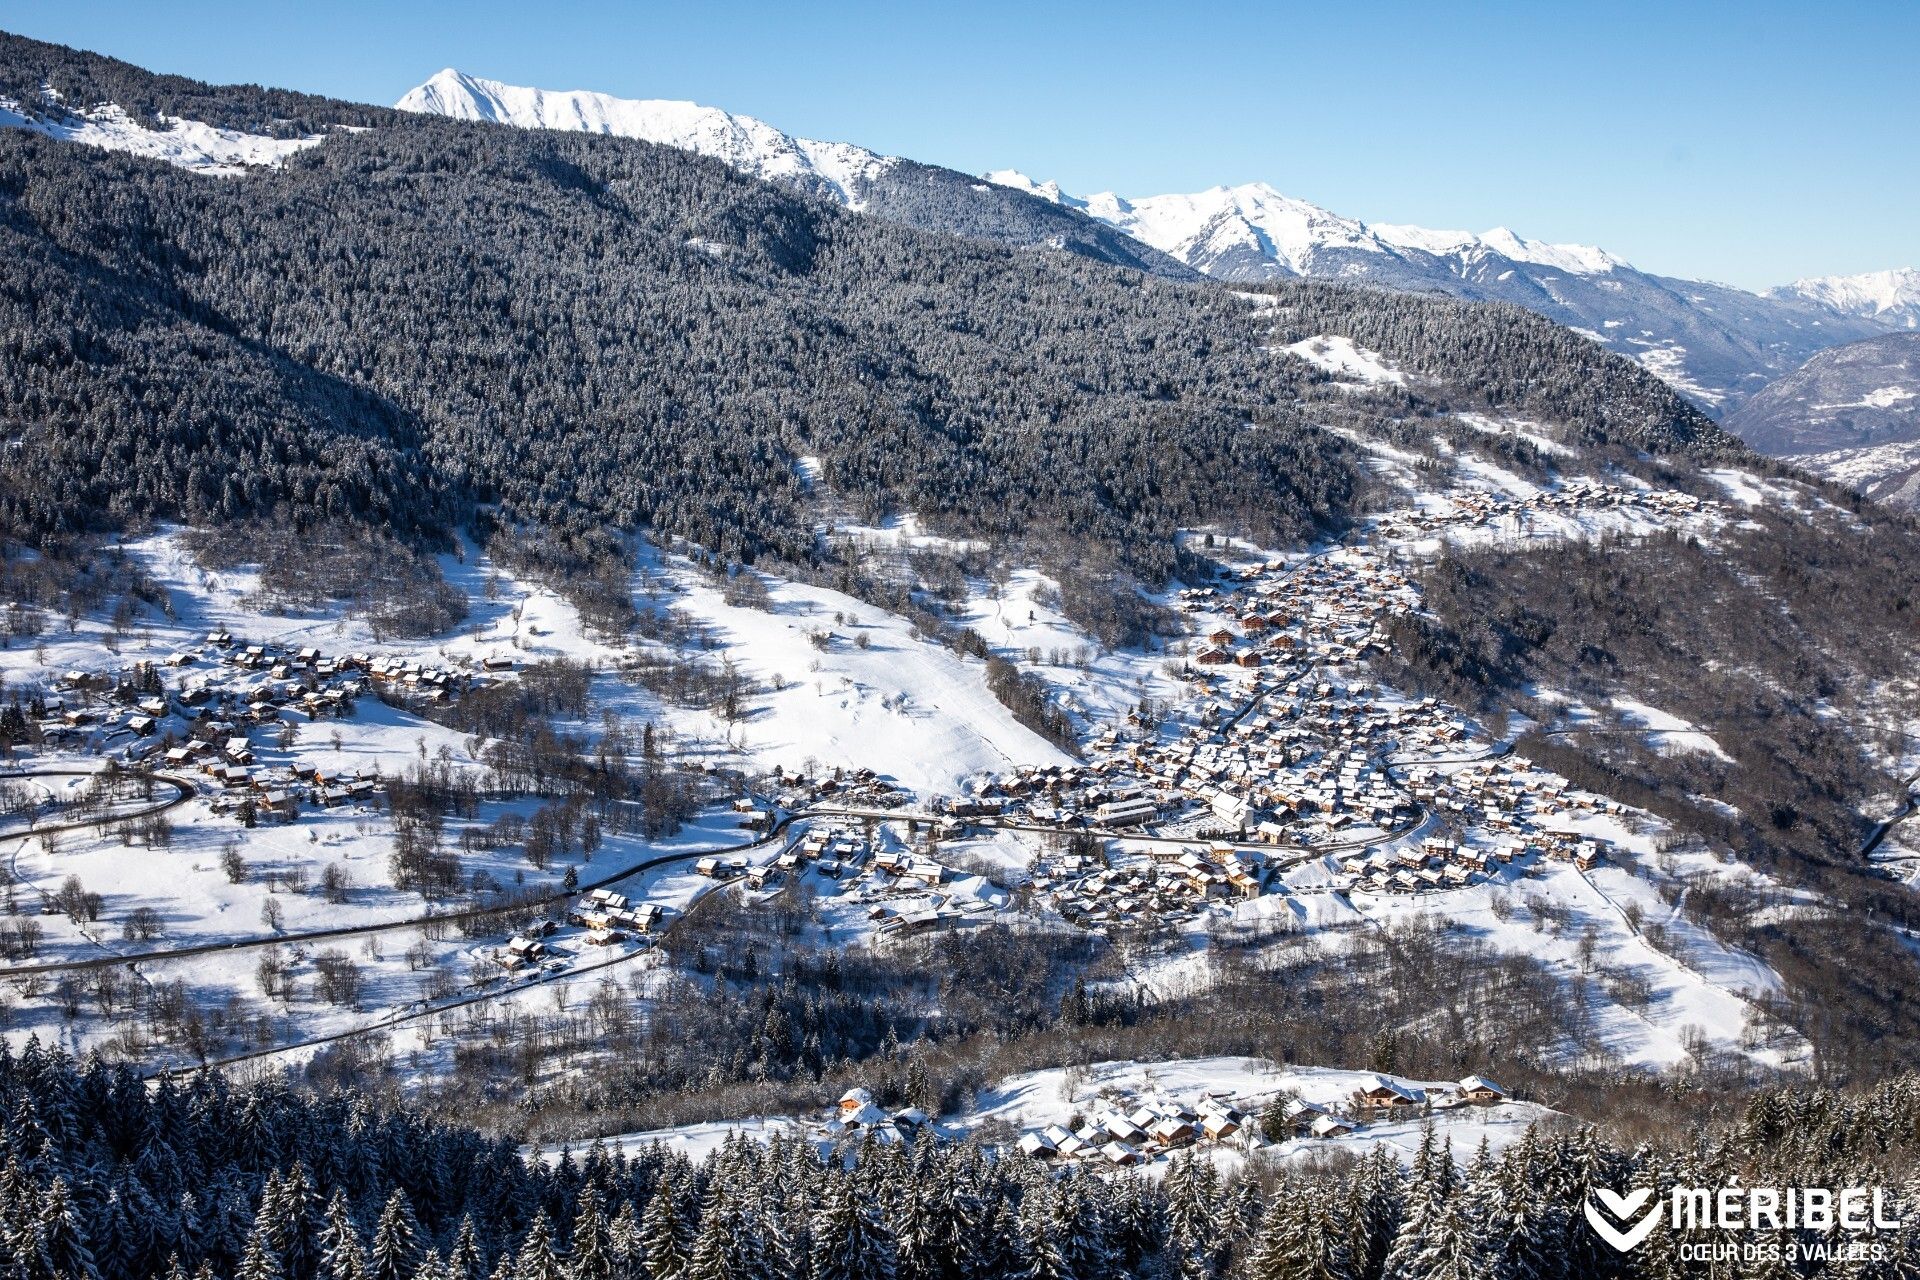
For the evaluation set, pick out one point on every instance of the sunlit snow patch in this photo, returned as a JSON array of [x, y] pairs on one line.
[[188, 144], [1340, 357]]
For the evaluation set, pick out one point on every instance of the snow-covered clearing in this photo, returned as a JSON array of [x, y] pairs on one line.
[[188, 144], [1061, 1095], [1532, 432], [1347, 360], [845, 683]]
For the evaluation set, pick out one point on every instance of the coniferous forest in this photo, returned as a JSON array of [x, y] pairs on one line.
[[412, 325], [109, 1177]]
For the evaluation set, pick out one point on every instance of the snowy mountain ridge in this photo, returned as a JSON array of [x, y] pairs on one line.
[[837, 170], [890, 187], [1890, 295], [1713, 342], [1290, 232]]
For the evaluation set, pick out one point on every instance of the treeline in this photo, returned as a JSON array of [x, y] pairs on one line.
[[768, 1019], [217, 353], [395, 586], [81, 80], [108, 1178]]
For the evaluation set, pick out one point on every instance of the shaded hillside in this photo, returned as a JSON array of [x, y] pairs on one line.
[[1855, 396], [918, 195], [1509, 359], [586, 330]]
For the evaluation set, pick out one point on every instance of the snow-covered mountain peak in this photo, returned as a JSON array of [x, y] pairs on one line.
[[1018, 212], [1048, 191], [834, 169], [1889, 295], [1581, 259], [1254, 230], [1249, 231]]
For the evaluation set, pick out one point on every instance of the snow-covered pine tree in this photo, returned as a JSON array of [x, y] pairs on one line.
[[537, 1258], [463, 1258], [396, 1241], [271, 1224], [1375, 1204], [112, 1243], [1300, 1238], [341, 1255], [296, 1235], [628, 1252], [1080, 1228], [730, 1245], [1521, 1231], [997, 1249], [1194, 1233], [916, 1225], [260, 1261], [592, 1252], [849, 1240], [1041, 1255], [1421, 1232], [663, 1236], [57, 1239]]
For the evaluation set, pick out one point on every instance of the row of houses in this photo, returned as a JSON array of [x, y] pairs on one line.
[[610, 917], [1122, 1130], [857, 1117], [1479, 508], [223, 688], [1167, 883], [859, 788]]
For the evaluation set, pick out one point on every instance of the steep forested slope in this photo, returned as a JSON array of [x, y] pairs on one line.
[[414, 320], [585, 330], [1785, 639], [30, 69]]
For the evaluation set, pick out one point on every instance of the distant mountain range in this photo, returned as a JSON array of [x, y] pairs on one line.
[[1847, 397], [1851, 413], [890, 187], [1716, 343]]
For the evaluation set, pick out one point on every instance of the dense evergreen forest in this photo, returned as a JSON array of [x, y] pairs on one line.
[[109, 1178], [425, 319]]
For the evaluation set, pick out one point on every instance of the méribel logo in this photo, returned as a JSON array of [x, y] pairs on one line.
[[1633, 1210]]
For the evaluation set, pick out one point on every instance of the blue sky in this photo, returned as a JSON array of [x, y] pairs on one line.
[[1751, 143]]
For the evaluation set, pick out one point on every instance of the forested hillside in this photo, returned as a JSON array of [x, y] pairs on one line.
[[411, 322], [31, 68]]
